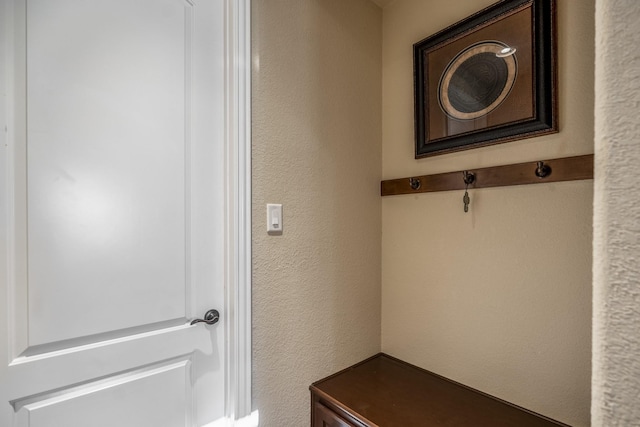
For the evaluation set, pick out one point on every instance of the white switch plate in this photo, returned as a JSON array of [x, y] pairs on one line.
[[274, 218]]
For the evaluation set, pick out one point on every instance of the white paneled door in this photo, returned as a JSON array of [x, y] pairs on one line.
[[113, 211]]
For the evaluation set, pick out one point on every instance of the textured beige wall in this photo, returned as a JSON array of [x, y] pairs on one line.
[[616, 312], [498, 298], [317, 150]]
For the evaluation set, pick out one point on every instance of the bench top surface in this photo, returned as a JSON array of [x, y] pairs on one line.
[[388, 392]]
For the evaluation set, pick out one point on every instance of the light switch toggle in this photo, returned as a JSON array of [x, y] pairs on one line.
[[274, 218]]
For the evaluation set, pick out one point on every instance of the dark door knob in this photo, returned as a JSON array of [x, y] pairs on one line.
[[210, 317]]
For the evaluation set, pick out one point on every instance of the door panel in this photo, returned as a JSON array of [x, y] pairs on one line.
[[106, 154], [113, 212], [137, 402]]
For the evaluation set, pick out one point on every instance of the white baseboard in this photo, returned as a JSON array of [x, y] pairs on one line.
[[252, 420]]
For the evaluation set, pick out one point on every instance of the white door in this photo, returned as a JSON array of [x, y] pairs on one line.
[[112, 212]]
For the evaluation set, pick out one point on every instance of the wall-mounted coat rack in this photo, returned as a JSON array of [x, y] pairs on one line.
[[554, 170]]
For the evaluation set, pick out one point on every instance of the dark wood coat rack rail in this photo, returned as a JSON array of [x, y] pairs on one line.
[[554, 170]]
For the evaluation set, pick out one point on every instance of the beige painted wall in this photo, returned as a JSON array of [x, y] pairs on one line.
[[616, 284], [317, 150], [498, 298]]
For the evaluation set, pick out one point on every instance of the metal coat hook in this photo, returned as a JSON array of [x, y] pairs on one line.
[[468, 178], [415, 183], [542, 170]]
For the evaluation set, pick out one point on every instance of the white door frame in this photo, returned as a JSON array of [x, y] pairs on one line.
[[238, 219]]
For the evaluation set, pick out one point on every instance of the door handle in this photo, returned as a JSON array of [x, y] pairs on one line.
[[210, 317]]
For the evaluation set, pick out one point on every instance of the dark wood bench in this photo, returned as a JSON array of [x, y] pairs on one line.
[[386, 392]]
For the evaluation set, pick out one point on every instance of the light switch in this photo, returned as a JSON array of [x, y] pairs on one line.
[[274, 218]]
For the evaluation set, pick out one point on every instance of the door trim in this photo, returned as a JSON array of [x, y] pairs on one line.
[[238, 219]]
